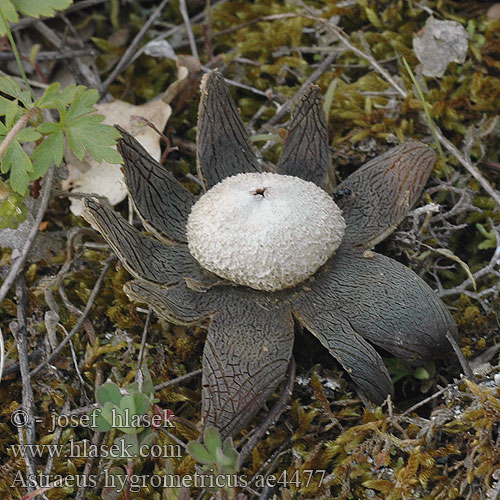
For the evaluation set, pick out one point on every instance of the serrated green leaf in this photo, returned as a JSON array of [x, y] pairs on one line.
[[4, 102], [83, 102], [19, 164], [67, 95], [11, 113], [41, 7], [8, 14], [28, 134], [48, 96], [12, 88], [108, 392], [212, 440], [19, 179], [86, 133], [200, 453], [48, 128]]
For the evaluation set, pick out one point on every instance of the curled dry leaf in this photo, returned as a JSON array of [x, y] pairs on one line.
[[440, 43], [106, 179]]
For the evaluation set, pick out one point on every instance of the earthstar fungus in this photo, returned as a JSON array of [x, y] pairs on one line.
[[259, 251]]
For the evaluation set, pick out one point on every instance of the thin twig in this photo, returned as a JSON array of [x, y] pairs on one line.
[[123, 62], [285, 108], [472, 169], [172, 437], [177, 380], [81, 319], [19, 262], [55, 443], [424, 401], [52, 55], [463, 362], [173, 31], [138, 375], [273, 415], [27, 392], [96, 440], [189, 30]]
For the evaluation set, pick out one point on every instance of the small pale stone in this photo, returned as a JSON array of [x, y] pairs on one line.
[[440, 43]]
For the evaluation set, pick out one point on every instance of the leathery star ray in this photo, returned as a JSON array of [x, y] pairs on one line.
[[245, 255]]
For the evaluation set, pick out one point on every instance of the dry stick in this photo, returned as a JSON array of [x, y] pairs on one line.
[[177, 380], [54, 443], [92, 78], [19, 262], [273, 415], [27, 392], [96, 440], [52, 55], [187, 22], [138, 374], [198, 17], [424, 401], [463, 362], [122, 63], [207, 32], [472, 169], [81, 319], [373, 62]]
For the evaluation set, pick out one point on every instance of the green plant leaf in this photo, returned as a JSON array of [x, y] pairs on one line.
[[28, 134], [8, 14], [221, 459], [13, 88], [130, 445], [19, 164], [47, 99], [101, 424], [230, 452], [48, 152], [200, 453], [142, 403], [40, 7], [11, 113], [86, 133], [212, 440], [109, 392]]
